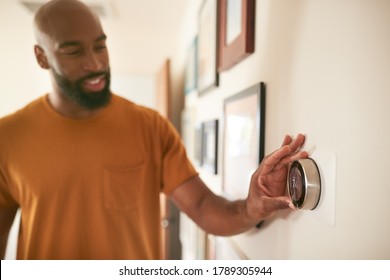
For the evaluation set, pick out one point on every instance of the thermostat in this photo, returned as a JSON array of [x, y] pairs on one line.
[[304, 184]]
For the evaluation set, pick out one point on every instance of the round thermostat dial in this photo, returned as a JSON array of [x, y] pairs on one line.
[[304, 184]]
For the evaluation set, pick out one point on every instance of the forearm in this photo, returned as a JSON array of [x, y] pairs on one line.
[[222, 217], [212, 213]]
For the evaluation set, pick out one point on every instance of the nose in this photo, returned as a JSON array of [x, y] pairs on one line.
[[92, 62]]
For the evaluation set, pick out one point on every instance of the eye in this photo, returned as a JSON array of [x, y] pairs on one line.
[[100, 47], [71, 51]]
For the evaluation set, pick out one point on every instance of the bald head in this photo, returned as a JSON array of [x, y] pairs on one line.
[[60, 16]]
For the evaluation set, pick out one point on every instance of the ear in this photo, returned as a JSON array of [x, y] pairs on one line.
[[41, 57]]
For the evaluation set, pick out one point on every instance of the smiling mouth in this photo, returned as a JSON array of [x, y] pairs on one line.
[[94, 84]]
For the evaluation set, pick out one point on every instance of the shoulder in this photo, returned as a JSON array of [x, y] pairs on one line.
[[22, 116], [19, 126], [148, 121], [136, 111]]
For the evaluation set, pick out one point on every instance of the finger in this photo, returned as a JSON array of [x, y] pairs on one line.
[[275, 158], [295, 156], [288, 159], [287, 140], [285, 154], [297, 143]]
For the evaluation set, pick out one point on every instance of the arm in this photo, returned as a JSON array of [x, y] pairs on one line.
[[212, 213], [266, 195], [7, 216]]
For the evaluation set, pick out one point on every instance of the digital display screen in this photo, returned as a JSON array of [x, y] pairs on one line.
[[296, 184]]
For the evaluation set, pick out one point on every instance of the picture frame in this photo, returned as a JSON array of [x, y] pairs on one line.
[[210, 146], [188, 123], [191, 71], [237, 32], [198, 150], [208, 77], [243, 147]]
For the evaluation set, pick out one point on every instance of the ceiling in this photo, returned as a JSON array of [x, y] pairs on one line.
[[141, 33]]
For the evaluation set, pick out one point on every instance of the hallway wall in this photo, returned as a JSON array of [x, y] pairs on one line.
[[326, 66]]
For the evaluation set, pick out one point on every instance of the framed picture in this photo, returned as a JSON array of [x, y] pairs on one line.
[[187, 130], [237, 31], [244, 127], [191, 72], [210, 146], [208, 46], [198, 144]]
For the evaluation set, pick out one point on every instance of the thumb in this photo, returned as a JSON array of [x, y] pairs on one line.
[[278, 203]]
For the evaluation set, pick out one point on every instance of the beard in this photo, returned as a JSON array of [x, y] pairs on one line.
[[88, 100]]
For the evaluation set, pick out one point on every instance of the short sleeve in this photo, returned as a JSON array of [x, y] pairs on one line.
[[176, 166]]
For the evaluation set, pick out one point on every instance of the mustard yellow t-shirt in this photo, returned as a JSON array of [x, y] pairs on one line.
[[89, 189]]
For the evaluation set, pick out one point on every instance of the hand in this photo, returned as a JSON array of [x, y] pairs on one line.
[[267, 192]]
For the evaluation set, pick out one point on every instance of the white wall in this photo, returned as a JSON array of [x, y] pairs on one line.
[[326, 65], [137, 88], [21, 79]]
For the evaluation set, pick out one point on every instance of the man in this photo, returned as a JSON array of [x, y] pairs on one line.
[[86, 167]]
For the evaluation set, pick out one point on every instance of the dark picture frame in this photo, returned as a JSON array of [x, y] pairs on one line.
[[244, 135], [208, 77], [237, 32], [210, 146]]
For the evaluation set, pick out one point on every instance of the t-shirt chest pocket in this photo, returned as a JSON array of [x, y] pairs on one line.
[[123, 187]]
